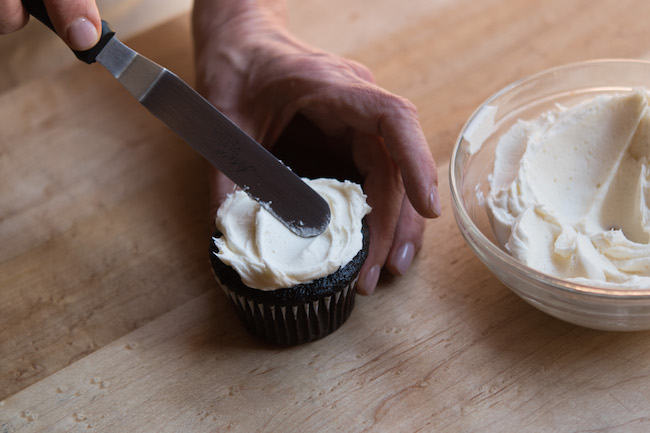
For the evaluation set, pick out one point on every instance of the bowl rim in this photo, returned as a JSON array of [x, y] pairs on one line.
[[486, 245]]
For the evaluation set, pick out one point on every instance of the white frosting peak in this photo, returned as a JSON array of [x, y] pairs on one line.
[[268, 256], [570, 191]]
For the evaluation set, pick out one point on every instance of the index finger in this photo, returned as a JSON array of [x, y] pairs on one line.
[[400, 128], [373, 110]]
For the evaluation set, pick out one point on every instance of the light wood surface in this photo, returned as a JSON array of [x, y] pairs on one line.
[[110, 319]]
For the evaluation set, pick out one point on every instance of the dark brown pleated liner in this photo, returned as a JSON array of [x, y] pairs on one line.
[[298, 314], [294, 324]]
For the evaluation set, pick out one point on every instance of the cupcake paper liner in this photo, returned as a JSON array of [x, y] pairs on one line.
[[294, 324], [298, 314]]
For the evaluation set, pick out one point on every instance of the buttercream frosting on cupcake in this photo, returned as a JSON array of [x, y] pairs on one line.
[[268, 256]]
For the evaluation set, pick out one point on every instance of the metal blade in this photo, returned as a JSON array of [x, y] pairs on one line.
[[218, 140]]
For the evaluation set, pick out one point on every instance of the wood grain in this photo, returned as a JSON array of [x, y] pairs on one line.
[[90, 182], [111, 321]]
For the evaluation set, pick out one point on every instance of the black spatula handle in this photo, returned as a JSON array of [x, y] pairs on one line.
[[36, 8]]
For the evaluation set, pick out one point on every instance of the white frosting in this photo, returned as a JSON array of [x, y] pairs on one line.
[[570, 192], [268, 256]]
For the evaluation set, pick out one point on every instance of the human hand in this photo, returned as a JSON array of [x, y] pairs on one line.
[[262, 77], [77, 22]]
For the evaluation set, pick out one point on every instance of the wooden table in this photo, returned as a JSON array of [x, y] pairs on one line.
[[110, 319]]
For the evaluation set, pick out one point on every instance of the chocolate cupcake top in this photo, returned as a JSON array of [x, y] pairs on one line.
[[268, 256]]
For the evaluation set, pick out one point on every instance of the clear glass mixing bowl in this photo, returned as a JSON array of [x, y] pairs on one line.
[[592, 307]]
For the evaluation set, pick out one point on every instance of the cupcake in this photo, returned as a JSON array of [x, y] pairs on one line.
[[287, 289]]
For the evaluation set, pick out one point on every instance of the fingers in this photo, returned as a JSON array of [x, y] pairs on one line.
[[383, 187], [395, 119], [407, 240], [13, 16], [77, 22], [401, 131], [367, 108], [395, 237]]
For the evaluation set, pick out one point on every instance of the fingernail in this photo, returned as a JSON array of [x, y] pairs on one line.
[[434, 202], [369, 282], [403, 258], [82, 34]]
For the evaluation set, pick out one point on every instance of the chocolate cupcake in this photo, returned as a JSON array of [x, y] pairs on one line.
[[287, 289]]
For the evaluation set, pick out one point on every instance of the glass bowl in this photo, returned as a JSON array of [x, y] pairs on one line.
[[592, 307]]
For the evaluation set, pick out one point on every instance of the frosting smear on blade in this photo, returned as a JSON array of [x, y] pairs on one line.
[[570, 191], [268, 256]]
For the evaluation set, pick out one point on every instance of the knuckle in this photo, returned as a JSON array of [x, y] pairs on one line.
[[361, 70], [404, 106]]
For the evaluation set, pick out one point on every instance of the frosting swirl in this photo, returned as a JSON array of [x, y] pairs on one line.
[[268, 256], [570, 191]]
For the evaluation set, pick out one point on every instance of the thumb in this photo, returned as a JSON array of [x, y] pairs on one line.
[[77, 22]]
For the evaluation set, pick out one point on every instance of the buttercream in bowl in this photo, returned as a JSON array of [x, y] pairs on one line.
[[564, 227], [568, 191]]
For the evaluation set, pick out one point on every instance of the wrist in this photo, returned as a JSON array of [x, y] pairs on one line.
[[233, 30], [233, 41]]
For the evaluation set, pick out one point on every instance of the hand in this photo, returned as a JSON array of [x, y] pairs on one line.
[[260, 76], [77, 22]]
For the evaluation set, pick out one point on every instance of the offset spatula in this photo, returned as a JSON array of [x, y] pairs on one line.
[[208, 131]]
